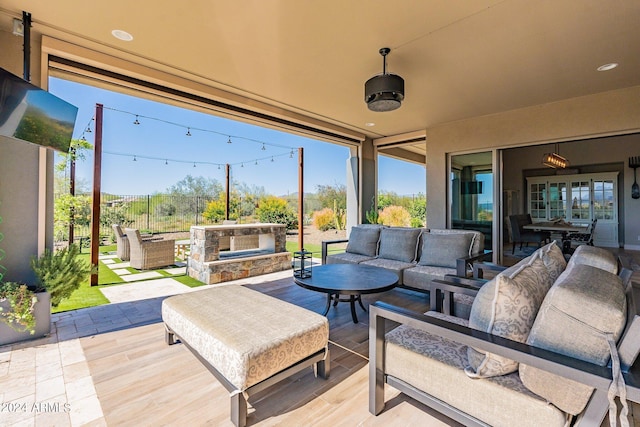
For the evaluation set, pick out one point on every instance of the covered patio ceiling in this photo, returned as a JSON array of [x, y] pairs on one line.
[[459, 59]]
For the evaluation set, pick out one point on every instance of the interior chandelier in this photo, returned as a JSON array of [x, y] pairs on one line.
[[385, 91], [555, 160]]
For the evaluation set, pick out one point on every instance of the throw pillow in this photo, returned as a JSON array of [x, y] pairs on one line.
[[584, 306], [400, 244], [442, 250], [506, 306], [364, 241], [553, 259]]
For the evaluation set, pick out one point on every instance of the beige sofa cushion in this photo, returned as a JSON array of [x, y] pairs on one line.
[[442, 250], [596, 257], [584, 304], [507, 306], [436, 365]]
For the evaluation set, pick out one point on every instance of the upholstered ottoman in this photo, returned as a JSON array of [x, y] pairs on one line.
[[248, 340]]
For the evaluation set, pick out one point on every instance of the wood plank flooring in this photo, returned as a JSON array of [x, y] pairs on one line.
[[141, 381]]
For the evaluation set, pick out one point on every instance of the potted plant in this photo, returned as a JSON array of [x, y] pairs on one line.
[[25, 311]]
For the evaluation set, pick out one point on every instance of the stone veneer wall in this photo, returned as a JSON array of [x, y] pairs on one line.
[[204, 262]]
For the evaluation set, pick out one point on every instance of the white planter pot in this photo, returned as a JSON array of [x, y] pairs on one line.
[[42, 313]]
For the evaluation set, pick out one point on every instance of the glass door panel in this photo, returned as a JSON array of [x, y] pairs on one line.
[[603, 199], [557, 200], [580, 200], [471, 192], [538, 201]]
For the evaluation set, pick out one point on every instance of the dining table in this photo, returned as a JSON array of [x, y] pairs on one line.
[[561, 227]]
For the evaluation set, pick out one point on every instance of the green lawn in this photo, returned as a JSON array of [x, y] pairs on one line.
[[90, 296]]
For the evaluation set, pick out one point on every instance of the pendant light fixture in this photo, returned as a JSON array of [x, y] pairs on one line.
[[555, 160], [385, 91]]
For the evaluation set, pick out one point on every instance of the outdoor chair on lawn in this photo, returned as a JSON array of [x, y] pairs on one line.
[[123, 250], [148, 254]]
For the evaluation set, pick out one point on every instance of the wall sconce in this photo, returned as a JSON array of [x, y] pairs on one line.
[[302, 264]]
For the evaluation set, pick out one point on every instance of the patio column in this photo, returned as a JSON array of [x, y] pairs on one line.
[[361, 182]]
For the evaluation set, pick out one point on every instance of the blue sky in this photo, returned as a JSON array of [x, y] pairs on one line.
[[162, 134]]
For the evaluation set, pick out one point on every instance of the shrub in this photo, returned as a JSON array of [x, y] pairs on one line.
[[395, 216], [215, 211], [61, 272], [324, 219], [276, 210], [416, 223]]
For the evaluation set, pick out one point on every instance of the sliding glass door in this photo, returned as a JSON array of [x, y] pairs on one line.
[[471, 193]]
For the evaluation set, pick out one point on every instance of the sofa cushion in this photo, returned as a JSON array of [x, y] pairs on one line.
[[442, 250], [397, 267], [596, 257], [506, 306], [398, 243], [583, 305], [420, 276], [435, 365], [347, 258], [364, 241]]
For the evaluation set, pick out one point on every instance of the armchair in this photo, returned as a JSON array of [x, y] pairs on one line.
[[123, 250], [147, 254]]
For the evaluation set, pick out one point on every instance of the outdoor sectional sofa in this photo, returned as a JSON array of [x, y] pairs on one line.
[[416, 255], [545, 343]]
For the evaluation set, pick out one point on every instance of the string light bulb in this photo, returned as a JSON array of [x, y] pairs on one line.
[[134, 159], [291, 154], [83, 138], [166, 162], [263, 147], [229, 141], [272, 159], [194, 164], [188, 131], [256, 163], [136, 122], [88, 130]]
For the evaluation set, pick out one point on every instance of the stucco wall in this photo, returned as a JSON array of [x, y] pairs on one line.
[[19, 176], [601, 114]]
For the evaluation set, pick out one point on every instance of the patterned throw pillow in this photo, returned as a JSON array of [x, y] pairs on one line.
[[553, 259], [506, 306], [364, 240], [442, 250], [400, 244]]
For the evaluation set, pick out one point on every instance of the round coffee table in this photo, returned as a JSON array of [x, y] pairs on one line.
[[353, 280]]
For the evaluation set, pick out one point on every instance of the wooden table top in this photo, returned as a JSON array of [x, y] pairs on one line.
[[556, 226]]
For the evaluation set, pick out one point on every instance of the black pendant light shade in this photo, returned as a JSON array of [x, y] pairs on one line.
[[384, 92]]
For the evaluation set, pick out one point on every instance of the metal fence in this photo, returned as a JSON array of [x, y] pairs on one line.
[[152, 213]]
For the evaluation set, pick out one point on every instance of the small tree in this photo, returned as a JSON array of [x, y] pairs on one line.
[[276, 210], [61, 272]]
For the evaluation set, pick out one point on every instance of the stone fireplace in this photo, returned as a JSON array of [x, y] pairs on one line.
[[254, 249]]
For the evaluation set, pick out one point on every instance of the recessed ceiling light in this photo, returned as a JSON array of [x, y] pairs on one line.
[[607, 67], [122, 35], [369, 124]]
